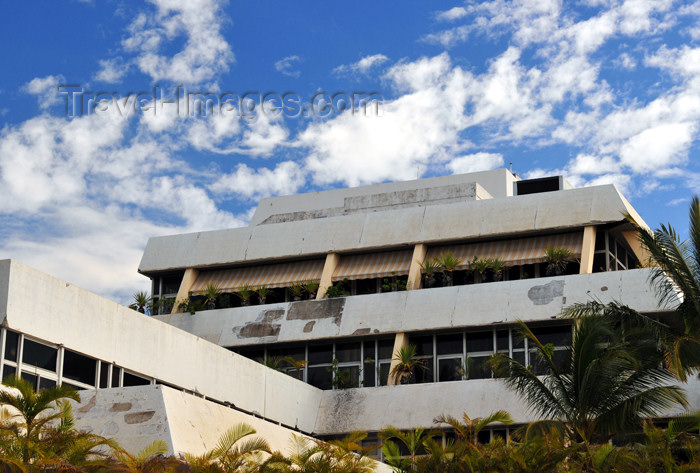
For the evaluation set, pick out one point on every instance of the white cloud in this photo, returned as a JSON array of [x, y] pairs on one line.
[[589, 164], [286, 178], [111, 70], [417, 128], [475, 162], [46, 90], [199, 23], [452, 14], [362, 66], [449, 38], [658, 147], [287, 64]]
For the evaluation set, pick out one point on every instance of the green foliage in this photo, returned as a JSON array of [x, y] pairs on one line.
[[342, 377], [557, 259], [338, 289], [142, 302], [310, 287], [407, 362], [393, 284], [676, 267], [244, 293], [262, 292], [611, 380], [211, 294]]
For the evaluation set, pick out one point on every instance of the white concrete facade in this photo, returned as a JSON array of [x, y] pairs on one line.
[[192, 353]]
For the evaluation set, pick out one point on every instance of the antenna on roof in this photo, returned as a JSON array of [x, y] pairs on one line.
[[511, 168]]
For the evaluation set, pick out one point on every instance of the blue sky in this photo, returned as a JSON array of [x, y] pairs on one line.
[[602, 91]]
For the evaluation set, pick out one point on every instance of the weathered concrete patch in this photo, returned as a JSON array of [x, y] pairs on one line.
[[545, 294], [263, 325], [120, 407], [259, 329], [309, 326], [87, 407], [362, 331], [109, 429], [138, 417], [317, 310]]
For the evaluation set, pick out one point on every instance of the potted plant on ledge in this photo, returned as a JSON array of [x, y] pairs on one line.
[[557, 259]]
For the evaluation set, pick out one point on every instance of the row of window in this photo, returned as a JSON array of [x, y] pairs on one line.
[[46, 365], [450, 356]]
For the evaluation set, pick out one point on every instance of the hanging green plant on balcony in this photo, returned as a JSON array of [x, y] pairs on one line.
[[211, 293], [262, 292], [497, 266], [557, 259], [297, 289], [244, 293], [407, 362], [429, 268], [310, 287], [447, 263], [338, 289]]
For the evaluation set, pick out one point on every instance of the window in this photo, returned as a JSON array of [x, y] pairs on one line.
[[39, 355], [79, 367]]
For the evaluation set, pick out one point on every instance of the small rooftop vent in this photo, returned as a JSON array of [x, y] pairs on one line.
[[543, 184]]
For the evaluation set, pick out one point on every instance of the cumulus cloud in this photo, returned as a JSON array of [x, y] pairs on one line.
[[286, 66], [45, 89], [198, 22], [452, 14], [111, 70], [475, 162], [362, 66], [286, 178]]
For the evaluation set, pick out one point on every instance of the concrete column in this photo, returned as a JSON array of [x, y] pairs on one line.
[[638, 249], [414, 273], [587, 249], [332, 260], [185, 285], [400, 341]]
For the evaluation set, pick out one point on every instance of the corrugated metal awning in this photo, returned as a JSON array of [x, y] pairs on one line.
[[374, 265], [512, 252], [273, 275]]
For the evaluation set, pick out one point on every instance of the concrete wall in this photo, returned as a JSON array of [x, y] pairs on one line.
[[58, 312], [489, 218], [137, 416], [498, 183], [425, 309], [416, 405]]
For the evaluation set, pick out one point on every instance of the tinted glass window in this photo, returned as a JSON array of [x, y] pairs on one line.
[[557, 336], [8, 371], [133, 380], [449, 344], [320, 377], [346, 352], [39, 355], [104, 375], [386, 349], [479, 341], [319, 354], [11, 344], [79, 367]]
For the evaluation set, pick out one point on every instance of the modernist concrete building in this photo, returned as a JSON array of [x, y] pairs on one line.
[[168, 376]]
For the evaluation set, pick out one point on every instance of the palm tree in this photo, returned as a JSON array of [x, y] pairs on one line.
[[141, 301], [677, 270], [235, 451], [612, 379], [28, 417], [211, 293], [407, 362], [412, 441], [150, 459], [469, 429]]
